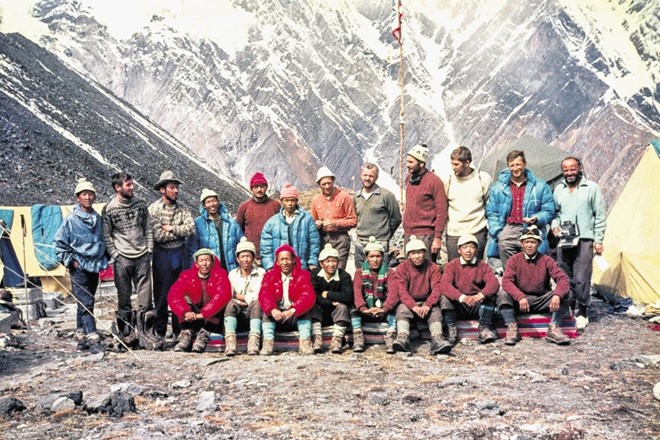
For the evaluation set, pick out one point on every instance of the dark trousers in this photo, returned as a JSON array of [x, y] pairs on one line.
[[243, 313], [198, 324], [537, 303], [84, 285], [129, 272], [342, 244], [168, 263], [463, 311], [452, 245], [339, 314], [579, 261]]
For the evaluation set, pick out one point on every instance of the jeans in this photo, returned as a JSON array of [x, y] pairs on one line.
[[168, 263], [84, 285]]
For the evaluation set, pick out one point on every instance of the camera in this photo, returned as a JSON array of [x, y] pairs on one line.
[[569, 235]]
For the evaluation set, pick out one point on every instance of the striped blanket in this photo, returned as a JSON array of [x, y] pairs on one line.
[[530, 326]]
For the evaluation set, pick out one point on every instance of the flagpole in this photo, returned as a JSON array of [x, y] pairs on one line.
[[401, 102]]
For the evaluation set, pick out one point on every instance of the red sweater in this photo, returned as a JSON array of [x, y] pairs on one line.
[[413, 284], [391, 298], [252, 216], [301, 292], [426, 207], [470, 279], [524, 277], [188, 284]]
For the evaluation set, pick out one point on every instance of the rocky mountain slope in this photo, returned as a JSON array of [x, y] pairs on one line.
[[56, 126]]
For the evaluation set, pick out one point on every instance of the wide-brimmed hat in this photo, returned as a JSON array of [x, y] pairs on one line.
[[415, 244], [84, 185], [531, 232], [165, 178], [206, 193], [323, 172]]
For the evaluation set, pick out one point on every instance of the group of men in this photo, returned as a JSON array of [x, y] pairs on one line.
[[278, 266]]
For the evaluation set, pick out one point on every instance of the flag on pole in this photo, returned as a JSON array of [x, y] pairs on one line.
[[398, 16]]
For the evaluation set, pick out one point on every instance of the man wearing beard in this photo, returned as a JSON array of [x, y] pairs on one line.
[[579, 202], [129, 239], [172, 224]]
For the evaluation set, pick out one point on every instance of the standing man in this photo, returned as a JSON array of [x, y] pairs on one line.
[[334, 214], [216, 230], [467, 193], [253, 214], [425, 215], [516, 201], [129, 239], [377, 212], [294, 226], [172, 224], [580, 226], [80, 248]]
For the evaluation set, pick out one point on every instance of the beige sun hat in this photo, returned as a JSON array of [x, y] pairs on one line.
[[323, 172], [84, 185], [206, 193], [165, 178]]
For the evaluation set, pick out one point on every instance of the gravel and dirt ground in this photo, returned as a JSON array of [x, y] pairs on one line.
[[600, 387]]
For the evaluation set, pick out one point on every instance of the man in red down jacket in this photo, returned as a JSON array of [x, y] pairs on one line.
[[287, 298], [197, 297]]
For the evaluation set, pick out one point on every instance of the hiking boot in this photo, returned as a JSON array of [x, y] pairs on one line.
[[389, 343], [268, 347], [95, 344], [253, 345], [439, 345], [185, 341], [358, 341], [486, 335], [317, 342], [230, 344], [452, 334], [512, 334], [305, 347], [200, 341], [402, 342], [335, 345], [581, 322], [555, 335], [82, 345]]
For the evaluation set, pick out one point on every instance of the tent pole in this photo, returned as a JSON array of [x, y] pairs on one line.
[[26, 300]]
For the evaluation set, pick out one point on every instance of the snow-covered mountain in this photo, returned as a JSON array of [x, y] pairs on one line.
[[285, 86]]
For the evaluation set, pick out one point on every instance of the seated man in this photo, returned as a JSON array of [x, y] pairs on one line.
[[245, 284], [526, 286], [334, 299], [469, 290], [287, 298], [374, 302], [197, 297], [417, 283]]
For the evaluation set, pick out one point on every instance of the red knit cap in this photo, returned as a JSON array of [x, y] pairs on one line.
[[289, 191], [258, 179]]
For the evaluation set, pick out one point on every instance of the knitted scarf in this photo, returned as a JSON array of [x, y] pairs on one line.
[[371, 295]]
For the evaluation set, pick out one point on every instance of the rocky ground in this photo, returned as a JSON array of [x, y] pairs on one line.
[[600, 387]]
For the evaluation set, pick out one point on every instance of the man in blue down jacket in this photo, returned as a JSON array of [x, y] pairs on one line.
[[213, 223], [292, 225], [516, 201]]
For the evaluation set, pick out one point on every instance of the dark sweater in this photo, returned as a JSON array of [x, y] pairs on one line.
[[339, 291], [252, 216], [426, 207], [470, 279], [417, 283], [524, 277]]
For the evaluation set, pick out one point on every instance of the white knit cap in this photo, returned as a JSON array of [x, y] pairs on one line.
[[245, 245], [373, 245], [419, 152], [415, 244], [206, 193], [328, 251], [467, 238]]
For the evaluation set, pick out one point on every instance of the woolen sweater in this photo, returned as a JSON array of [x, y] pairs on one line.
[[338, 208], [468, 279], [391, 298], [253, 214], [524, 276], [466, 198], [378, 216], [338, 290], [127, 228], [413, 284], [426, 207]]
